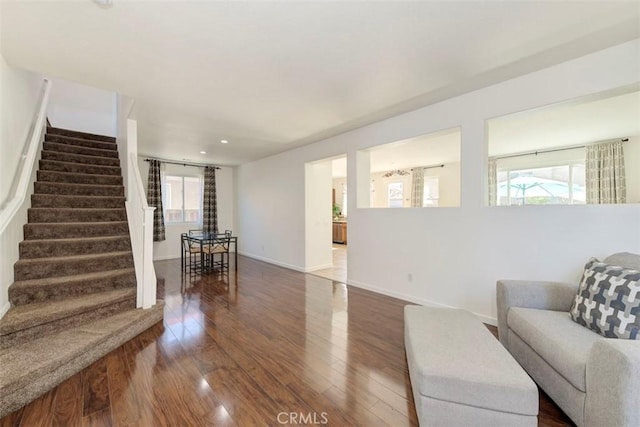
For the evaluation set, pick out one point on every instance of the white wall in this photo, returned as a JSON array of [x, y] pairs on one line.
[[225, 190], [83, 108], [454, 255], [20, 92], [318, 216]]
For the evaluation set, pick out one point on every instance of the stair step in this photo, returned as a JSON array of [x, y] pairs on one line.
[[78, 134], [56, 201], [70, 140], [76, 246], [40, 268], [78, 189], [75, 215], [56, 288], [33, 321], [78, 178], [27, 375], [64, 166], [79, 158], [75, 149], [68, 230]]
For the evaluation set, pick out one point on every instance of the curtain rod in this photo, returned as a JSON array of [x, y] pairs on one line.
[[431, 167], [180, 163], [549, 151]]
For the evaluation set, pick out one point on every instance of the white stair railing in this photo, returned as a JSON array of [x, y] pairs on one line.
[[25, 170], [13, 211], [140, 217]]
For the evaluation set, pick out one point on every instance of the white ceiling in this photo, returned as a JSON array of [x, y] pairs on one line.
[[269, 76]]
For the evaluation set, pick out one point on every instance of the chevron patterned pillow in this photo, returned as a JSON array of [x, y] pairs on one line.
[[608, 300]]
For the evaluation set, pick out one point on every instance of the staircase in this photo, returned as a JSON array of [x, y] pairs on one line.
[[74, 295]]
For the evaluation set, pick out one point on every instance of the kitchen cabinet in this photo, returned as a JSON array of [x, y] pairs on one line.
[[340, 232]]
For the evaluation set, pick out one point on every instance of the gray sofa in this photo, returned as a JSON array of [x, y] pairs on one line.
[[595, 380]]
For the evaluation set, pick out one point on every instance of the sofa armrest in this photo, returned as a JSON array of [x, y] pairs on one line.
[[556, 296], [613, 383]]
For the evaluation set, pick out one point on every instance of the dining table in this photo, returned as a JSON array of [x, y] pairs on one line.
[[205, 238]]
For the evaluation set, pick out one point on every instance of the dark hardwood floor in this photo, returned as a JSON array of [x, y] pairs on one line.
[[269, 346]]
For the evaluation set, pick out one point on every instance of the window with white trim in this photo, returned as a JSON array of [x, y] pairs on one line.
[[395, 194], [431, 191], [182, 199], [560, 184]]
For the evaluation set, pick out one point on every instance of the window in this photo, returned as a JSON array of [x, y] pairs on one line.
[[431, 192], [552, 185], [182, 199], [395, 194], [396, 168]]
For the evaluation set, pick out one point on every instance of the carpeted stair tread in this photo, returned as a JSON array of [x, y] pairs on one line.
[[76, 149], [76, 215], [57, 230], [44, 248], [78, 134], [81, 142], [27, 375], [30, 315], [79, 158], [78, 178], [74, 293], [78, 189], [55, 288], [73, 167], [37, 268], [70, 201]]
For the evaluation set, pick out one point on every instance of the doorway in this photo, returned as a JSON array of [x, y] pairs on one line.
[[327, 229]]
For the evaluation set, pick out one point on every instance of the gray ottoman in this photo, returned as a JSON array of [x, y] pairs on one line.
[[461, 375]]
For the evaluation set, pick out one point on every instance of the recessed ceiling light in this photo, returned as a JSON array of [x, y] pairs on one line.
[[224, 141], [203, 152]]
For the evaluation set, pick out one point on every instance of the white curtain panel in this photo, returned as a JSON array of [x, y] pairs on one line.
[[604, 170], [492, 176], [417, 187]]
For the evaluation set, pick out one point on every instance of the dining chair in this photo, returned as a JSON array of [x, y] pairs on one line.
[[190, 253], [219, 246]]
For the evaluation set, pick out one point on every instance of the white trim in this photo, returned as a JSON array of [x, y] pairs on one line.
[[4, 309], [318, 267], [274, 262], [421, 301], [166, 257], [485, 319], [9, 210]]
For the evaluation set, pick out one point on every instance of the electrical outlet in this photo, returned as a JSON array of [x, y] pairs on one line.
[[410, 277]]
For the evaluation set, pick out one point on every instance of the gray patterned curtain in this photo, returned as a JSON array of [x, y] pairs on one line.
[[417, 188], [154, 199], [210, 201], [604, 170]]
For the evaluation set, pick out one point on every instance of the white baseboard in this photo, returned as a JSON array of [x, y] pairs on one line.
[[398, 295], [166, 257], [272, 261], [318, 267], [421, 301], [4, 309]]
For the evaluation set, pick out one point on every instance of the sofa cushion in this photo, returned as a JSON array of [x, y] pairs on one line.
[[608, 300], [562, 343], [624, 259]]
